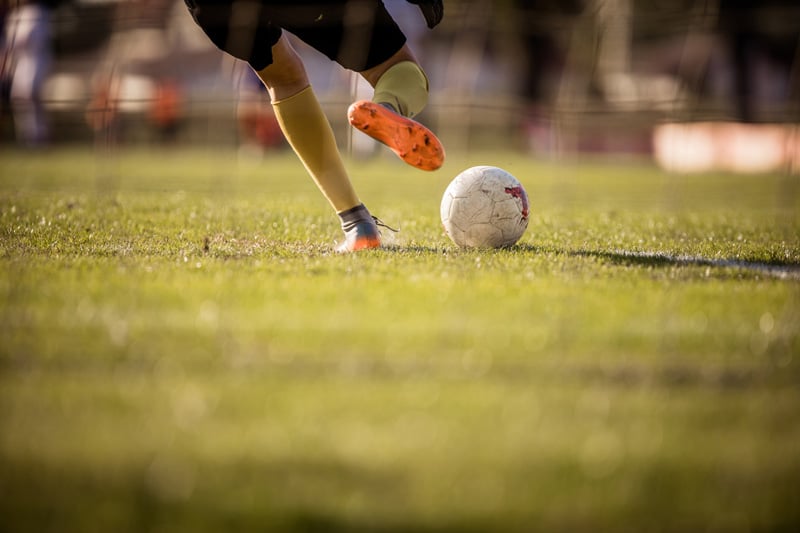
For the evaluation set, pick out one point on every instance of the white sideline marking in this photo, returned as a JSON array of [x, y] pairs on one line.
[[778, 271]]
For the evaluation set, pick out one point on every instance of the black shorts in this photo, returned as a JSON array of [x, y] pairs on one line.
[[357, 34]]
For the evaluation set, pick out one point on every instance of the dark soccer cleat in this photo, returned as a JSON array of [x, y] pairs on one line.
[[363, 236], [411, 141], [360, 230]]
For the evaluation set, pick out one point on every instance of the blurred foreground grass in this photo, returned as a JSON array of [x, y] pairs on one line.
[[182, 352]]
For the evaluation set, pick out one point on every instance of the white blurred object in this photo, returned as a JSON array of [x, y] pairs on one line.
[[683, 148], [65, 91], [727, 146], [29, 59], [135, 93]]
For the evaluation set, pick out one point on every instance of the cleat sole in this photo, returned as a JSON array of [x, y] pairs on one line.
[[411, 141]]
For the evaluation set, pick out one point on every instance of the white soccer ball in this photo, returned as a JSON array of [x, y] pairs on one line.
[[485, 207]]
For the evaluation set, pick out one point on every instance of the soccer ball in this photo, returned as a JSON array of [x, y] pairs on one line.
[[485, 207]]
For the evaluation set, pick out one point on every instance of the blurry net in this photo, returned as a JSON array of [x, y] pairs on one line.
[[545, 77]]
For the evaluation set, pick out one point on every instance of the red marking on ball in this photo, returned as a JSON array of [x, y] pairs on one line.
[[519, 192]]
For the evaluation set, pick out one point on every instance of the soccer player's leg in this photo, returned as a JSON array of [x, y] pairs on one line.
[[309, 133], [401, 92], [259, 40]]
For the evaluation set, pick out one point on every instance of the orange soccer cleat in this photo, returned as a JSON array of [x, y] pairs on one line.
[[411, 141]]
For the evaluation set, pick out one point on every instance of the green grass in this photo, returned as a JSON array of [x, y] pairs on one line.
[[182, 351]]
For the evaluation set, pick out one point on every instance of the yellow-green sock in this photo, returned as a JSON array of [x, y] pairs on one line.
[[308, 131], [404, 86]]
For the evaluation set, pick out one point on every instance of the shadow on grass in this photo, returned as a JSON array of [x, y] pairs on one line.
[[780, 269], [775, 268]]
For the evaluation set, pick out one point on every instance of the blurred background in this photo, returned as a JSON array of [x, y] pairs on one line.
[[694, 85]]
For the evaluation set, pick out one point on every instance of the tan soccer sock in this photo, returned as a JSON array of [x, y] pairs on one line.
[[405, 87], [308, 131]]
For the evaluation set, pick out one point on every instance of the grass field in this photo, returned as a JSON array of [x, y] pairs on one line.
[[181, 351]]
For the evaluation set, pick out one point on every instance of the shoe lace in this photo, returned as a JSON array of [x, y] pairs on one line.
[[382, 224]]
